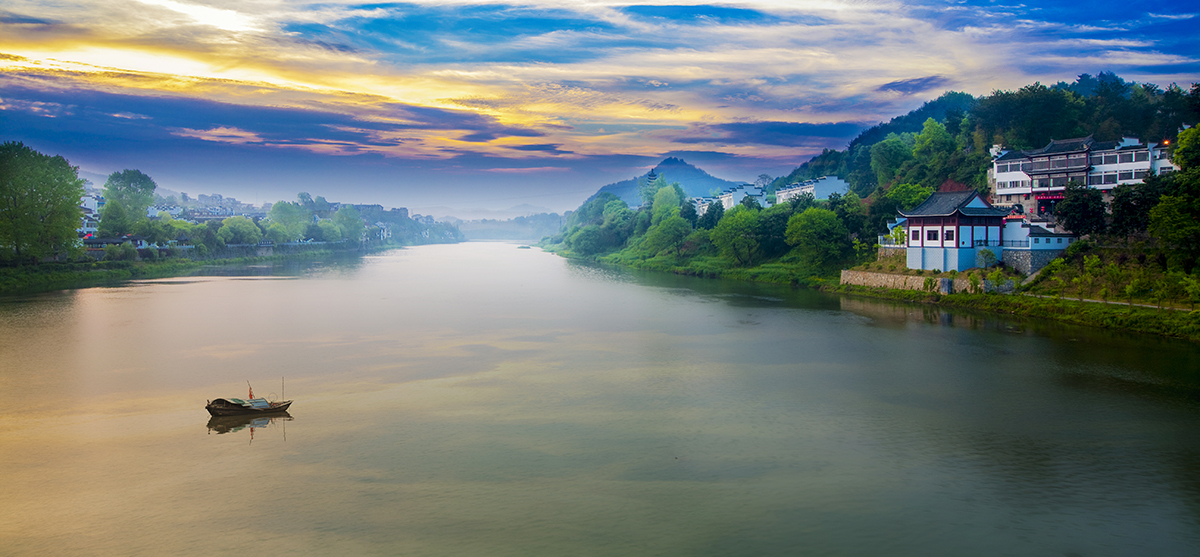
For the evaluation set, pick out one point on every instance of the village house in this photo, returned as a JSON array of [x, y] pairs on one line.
[[1036, 179], [951, 230]]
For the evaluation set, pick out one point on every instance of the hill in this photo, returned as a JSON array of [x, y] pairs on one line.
[[694, 181]]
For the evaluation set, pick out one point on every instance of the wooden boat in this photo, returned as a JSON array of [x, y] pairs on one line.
[[241, 407]]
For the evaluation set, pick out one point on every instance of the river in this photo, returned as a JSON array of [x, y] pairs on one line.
[[480, 399]]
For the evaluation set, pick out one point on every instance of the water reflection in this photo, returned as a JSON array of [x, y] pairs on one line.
[[234, 424]]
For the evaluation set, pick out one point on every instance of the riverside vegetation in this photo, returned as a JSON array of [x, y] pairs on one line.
[[1142, 249], [40, 249]]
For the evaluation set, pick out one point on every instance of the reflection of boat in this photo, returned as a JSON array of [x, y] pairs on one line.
[[240, 407], [230, 424]]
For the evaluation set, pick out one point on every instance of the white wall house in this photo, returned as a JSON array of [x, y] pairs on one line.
[[1037, 179], [949, 229], [732, 197]]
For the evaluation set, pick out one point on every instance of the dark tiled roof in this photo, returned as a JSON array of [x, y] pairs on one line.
[[942, 204], [1012, 155], [1035, 230], [1105, 145], [1067, 145]]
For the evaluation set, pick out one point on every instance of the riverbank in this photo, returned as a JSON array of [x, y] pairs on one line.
[[1168, 323], [62, 276], [1165, 322]]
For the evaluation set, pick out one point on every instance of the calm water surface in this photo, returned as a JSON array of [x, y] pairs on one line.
[[479, 399]]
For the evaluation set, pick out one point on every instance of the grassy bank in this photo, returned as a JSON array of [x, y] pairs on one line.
[[1169, 323], [59, 276], [782, 271]]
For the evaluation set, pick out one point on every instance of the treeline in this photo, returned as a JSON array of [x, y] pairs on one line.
[[945, 143], [40, 212], [801, 238]]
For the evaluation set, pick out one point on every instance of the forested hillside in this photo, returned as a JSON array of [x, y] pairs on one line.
[[944, 145]]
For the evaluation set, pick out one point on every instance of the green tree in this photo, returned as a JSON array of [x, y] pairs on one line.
[[39, 203], [1082, 209], [133, 189], [736, 235], [588, 240], [888, 156], [667, 235], [350, 222], [820, 238], [665, 204], [330, 231], [292, 217], [908, 196], [239, 230], [115, 220], [713, 213], [1187, 149]]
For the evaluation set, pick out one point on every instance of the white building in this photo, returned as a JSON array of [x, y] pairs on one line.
[[1037, 179], [819, 188]]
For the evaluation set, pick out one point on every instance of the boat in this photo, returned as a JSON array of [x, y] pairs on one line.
[[242, 407]]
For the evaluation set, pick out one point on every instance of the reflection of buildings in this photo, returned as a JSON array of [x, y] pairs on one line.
[[1036, 179]]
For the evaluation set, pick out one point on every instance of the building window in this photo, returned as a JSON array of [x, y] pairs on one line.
[[1041, 165], [1110, 159], [916, 235], [1126, 157], [949, 235], [1139, 174], [1058, 181], [1060, 240], [1126, 175], [1095, 179], [1141, 156], [1097, 159], [931, 235], [1036, 240], [1110, 178]]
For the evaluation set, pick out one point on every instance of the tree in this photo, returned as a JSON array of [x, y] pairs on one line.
[[351, 224], [751, 202], [888, 156], [688, 212], [821, 239], [1082, 209], [664, 204], [133, 189], [1187, 149], [239, 230], [668, 234], [712, 215], [293, 218], [772, 230], [115, 220], [587, 240], [736, 235], [39, 203], [1131, 205]]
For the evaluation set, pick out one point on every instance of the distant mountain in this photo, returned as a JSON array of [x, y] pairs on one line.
[[695, 182]]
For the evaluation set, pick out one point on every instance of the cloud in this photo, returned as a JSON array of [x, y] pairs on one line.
[[543, 83], [788, 134], [914, 85]]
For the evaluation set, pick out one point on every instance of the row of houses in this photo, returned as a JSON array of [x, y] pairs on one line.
[[819, 188]]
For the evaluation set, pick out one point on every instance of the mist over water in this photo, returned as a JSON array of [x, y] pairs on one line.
[[478, 399]]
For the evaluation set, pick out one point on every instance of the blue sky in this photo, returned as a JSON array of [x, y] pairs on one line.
[[491, 105]]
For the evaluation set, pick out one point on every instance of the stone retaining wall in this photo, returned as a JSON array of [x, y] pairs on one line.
[[1030, 261], [908, 282]]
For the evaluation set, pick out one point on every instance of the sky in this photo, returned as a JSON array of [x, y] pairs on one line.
[[466, 106]]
